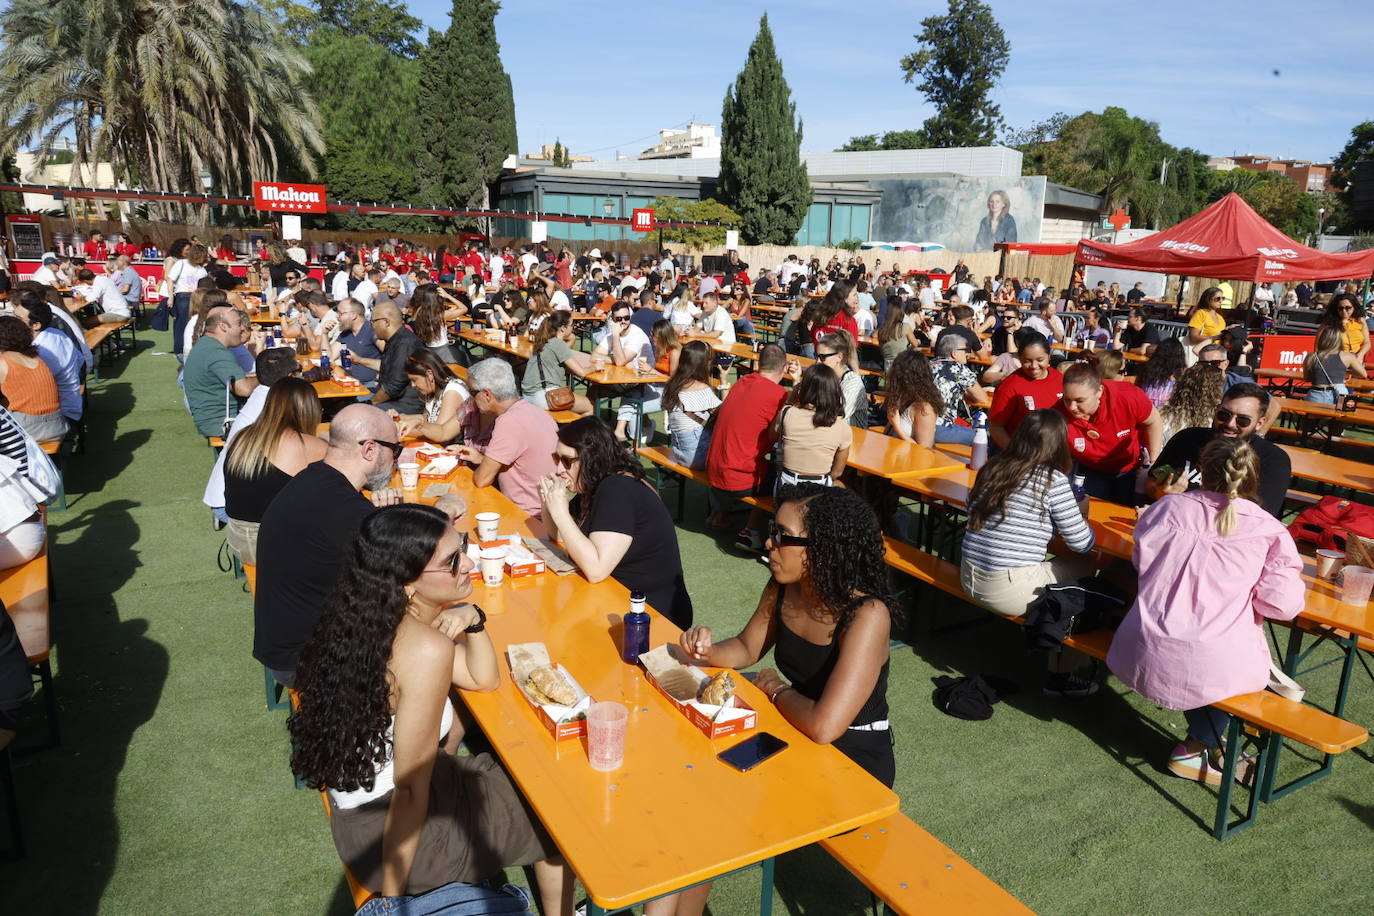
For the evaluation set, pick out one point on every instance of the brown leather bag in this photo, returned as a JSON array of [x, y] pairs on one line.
[[556, 398]]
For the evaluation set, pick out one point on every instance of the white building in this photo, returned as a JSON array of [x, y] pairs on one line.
[[697, 141]]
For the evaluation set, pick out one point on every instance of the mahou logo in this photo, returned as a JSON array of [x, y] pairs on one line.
[[289, 197], [1287, 253], [1186, 247]]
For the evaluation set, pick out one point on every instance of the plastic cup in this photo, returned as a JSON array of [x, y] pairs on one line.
[[1329, 563], [606, 724], [410, 475], [488, 524], [493, 561], [1356, 584]]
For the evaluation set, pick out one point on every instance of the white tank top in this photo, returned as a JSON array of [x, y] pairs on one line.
[[386, 772]]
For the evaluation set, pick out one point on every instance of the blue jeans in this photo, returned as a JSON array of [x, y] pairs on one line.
[[1207, 724], [1322, 396], [690, 445], [745, 327], [220, 515], [452, 900], [181, 313], [959, 435], [630, 411]]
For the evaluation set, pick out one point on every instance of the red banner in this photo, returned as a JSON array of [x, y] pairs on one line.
[[642, 220], [1285, 351], [288, 197]]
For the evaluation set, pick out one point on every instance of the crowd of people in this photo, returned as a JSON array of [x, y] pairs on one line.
[[361, 599]]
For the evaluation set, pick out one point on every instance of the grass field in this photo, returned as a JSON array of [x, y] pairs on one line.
[[170, 792]]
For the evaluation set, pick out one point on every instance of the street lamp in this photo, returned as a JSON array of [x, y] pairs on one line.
[[609, 207], [207, 181]]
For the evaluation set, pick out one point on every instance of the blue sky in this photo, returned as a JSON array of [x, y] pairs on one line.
[[606, 75]]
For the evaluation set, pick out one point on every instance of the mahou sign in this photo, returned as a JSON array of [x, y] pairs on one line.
[[286, 197]]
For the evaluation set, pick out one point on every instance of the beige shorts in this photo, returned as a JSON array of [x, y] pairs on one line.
[[1010, 591]]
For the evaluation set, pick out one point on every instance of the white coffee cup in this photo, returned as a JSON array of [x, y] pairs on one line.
[[488, 525], [410, 475], [493, 560]]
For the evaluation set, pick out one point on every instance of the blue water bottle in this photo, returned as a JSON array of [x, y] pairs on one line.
[[345, 360], [324, 361], [636, 639]]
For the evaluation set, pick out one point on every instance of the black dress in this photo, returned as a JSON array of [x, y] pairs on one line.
[[807, 667]]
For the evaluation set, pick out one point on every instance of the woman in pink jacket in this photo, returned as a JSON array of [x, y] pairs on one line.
[[1213, 565]]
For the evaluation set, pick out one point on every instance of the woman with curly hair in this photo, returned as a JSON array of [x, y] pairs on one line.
[[913, 402], [610, 520], [1159, 375], [1346, 315], [1020, 501], [430, 322], [375, 728], [1194, 400], [827, 614]]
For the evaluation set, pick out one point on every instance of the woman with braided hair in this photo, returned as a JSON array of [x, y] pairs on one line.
[[1213, 566]]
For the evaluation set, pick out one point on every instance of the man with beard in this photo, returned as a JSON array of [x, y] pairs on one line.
[[305, 534]]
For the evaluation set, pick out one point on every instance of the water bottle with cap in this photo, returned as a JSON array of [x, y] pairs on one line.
[[324, 360], [345, 359], [636, 639], [1077, 481], [979, 457], [1142, 472]]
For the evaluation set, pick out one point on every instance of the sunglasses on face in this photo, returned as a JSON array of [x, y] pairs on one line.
[[1242, 421], [621, 319], [455, 561], [824, 356], [396, 447], [783, 539], [566, 461]]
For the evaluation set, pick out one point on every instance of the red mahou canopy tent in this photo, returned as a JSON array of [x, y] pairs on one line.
[[1227, 241]]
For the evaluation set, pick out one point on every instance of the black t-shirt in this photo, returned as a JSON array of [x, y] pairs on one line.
[[303, 544], [392, 376], [970, 337], [761, 285], [1275, 467], [1135, 295], [1131, 338], [652, 565]]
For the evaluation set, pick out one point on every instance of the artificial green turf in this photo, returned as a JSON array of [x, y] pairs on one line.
[[170, 791]]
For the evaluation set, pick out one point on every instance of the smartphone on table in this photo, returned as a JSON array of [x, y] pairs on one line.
[[750, 752]]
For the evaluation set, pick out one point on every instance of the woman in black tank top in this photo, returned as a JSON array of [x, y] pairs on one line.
[[828, 615]]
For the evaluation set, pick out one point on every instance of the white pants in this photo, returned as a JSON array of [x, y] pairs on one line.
[[21, 543]]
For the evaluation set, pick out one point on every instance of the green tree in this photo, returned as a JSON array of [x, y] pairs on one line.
[[762, 177], [466, 109], [893, 139], [560, 155], [370, 149], [163, 91], [1274, 196], [387, 22], [959, 59], [674, 209], [1361, 146]]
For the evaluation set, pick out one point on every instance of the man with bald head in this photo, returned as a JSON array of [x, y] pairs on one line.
[[399, 342], [308, 528]]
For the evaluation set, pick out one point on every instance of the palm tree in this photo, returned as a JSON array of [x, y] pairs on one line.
[[162, 90]]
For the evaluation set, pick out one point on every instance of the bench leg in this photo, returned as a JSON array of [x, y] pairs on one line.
[[275, 698], [44, 671], [1292, 658], [11, 798], [1221, 829]]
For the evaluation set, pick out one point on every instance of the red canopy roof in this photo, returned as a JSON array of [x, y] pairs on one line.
[[1227, 241]]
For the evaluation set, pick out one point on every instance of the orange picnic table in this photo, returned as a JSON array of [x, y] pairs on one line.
[[494, 340], [1338, 472], [888, 456]]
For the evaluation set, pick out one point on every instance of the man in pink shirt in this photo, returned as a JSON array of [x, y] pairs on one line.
[[523, 437]]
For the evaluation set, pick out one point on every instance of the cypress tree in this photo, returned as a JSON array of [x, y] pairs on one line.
[[467, 109], [762, 177]]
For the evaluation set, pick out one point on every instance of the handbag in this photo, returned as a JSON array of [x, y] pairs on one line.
[[166, 290], [1284, 685], [561, 398]]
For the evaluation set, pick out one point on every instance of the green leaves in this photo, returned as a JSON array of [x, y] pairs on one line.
[[959, 61], [762, 177], [668, 209], [1361, 146]]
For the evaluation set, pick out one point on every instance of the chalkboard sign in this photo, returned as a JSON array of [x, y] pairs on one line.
[[28, 239]]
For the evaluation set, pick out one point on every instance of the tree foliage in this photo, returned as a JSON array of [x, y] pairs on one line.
[[466, 111], [762, 177], [386, 22], [560, 158], [1361, 146], [696, 211], [959, 59], [161, 90], [893, 139]]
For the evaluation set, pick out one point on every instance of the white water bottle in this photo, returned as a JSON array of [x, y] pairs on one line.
[[980, 445]]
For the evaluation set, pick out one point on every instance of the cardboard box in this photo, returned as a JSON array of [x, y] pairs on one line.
[[520, 560], [439, 468], [661, 665], [563, 722]]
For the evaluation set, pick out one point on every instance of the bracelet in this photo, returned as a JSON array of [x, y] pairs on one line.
[[773, 697], [481, 623]]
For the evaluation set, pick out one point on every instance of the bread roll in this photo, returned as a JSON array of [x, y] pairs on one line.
[[718, 690], [551, 685]]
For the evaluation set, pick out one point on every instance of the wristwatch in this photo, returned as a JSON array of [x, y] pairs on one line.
[[481, 623]]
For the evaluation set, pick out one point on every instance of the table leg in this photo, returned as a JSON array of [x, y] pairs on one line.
[[766, 891]]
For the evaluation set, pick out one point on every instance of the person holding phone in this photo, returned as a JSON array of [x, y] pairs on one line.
[[827, 614]]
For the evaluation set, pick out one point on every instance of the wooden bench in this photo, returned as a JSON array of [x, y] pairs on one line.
[[661, 456], [101, 338], [24, 591], [914, 873], [215, 442], [54, 449], [1273, 716], [564, 416]]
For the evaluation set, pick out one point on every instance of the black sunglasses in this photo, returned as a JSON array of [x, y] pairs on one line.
[[451, 567], [621, 319], [396, 447], [1225, 416], [824, 356], [564, 460], [783, 539]]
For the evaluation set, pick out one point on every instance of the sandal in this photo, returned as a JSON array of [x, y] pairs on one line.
[[1245, 766]]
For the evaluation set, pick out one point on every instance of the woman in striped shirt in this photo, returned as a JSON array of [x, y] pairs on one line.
[[1020, 500]]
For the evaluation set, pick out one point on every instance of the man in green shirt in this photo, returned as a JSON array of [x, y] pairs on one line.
[[215, 382]]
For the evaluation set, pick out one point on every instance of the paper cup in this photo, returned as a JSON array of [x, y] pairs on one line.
[[1329, 563], [1356, 584], [493, 560], [410, 475], [488, 525], [606, 724]]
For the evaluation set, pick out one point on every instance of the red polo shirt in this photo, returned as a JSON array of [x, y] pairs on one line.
[[737, 458], [1109, 441], [96, 251], [1018, 395]]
